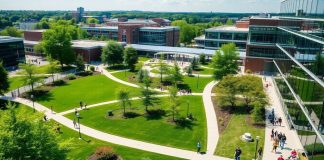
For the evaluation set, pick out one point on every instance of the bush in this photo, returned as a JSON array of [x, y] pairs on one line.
[[71, 76], [86, 73], [104, 153], [318, 149], [92, 68], [58, 83], [258, 113]]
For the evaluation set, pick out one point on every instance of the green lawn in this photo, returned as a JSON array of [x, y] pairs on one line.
[[204, 71], [15, 82], [157, 129], [43, 69], [230, 138], [190, 82], [90, 90], [82, 149]]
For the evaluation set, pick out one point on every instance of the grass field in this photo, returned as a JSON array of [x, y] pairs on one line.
[[230, 138], [158, 128], [15, 82], [90, 90], [43, 69], [82, 149]]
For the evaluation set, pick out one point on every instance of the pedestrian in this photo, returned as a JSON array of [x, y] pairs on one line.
[[283, 141], [75, 111], [85, 106], [198, 147], [280, 121], [272, 136], [45, 118], [275, 145], [74, 123], [293, 154], [81, 104], [259, 153], [237, 154], [303, 156], [280, 158]]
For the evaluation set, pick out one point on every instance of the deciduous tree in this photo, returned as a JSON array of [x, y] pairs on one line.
[[130, 58], [4, 82], [112, 53]]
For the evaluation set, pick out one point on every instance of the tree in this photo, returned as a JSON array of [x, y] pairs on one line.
[[226, 91], [194, 63], [189, 70], [130, 58], [163, 68], [174, 101], [123, 96], [79, 63], [318, 66], [28, 137], [229, 22], [92, 20], [140, 75], [202, 59], [225, 61], [187, 31], [148, 98], [4, 82], [258, 112], [175, 75], [11, 31], [52, 68], [38, 48], [112, 53], [57, 45], [29, 77]]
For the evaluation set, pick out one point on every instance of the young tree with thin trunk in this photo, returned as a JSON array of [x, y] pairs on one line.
[[29, 77], [174, 101], [130, 58], [148, 98], [52, 68], [123, 96]]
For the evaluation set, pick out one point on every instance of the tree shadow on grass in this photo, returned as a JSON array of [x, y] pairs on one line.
[[183, 86], [183, 123], [39, 95], [155, 114], [117, 67], [131, 115]]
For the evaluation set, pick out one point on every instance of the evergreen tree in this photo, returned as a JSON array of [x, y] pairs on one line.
[[4, 82]]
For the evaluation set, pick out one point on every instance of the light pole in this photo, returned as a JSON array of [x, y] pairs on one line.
[[188, 108], [32, 98], [78, 116], [198, 81], [256, 146]]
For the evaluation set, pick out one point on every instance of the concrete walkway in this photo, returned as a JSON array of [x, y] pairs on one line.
[[212, 127], [117, 139], [292, 142]]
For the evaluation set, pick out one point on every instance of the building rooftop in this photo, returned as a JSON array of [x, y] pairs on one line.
[[159, 28], [7, 39], [149, 21], [227, 29], [102, 27]]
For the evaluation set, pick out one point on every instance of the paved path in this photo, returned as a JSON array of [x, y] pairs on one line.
[[293, 141], [117, 139], [212, 127]]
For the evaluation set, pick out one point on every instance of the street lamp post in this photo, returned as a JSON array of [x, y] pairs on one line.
[[78, 116], [256, 146], [198, 81], [32, 98]]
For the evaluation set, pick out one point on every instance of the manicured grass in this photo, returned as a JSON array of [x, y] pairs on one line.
[[157, 129], [205, 71], [192, 83], [15, 82], [189, 82], [82, 149], [43, 69], [230, 138], [90, 90]]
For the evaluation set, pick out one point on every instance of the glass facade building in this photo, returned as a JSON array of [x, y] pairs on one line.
[[302, 8], [11, 51]]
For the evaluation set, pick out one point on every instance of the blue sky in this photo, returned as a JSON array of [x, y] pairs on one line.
[[146, 5]]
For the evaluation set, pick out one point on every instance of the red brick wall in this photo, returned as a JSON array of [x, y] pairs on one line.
[[131, 32], [254, 64], [172, 38], [33, 35], [242, 24]]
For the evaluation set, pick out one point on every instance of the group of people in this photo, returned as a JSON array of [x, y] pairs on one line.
[[274, 120], [279, 139], [294, 156], [184, 91], [35, 61]]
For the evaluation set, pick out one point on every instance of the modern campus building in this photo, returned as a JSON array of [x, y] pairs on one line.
[[215, 37], [11, 51], [138, 34]]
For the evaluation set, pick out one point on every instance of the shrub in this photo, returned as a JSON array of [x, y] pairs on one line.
[[58, 83], [104, 153], [71, 76], [86, 73], [92, 68], [318, 149], [258, 113], [248, 71]]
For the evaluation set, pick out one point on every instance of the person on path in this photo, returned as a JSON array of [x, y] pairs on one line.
[[280, 158], [198, 147], [237, 154], [259, 154], [293, 154], [280, 121], [75, 111], [45, 118], [275, 145], [303, 156], [283, 141], [81, 104], [74, 123]]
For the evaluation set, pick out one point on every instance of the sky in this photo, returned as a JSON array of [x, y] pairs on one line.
[[236, 6]]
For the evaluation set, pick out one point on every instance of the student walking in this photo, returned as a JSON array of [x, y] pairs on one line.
[[283, 141], [259, 154], [280, 121], [237, 154], [198, 147], [280, 158], [74, 123], [275, 145]]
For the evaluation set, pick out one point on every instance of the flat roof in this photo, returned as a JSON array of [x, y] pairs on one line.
[[159, 28], [82, 44], [102, 27], [196, 51], [227, 29], [36, 30], [8, 39]]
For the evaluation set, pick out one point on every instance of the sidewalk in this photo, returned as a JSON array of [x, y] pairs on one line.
[[292, 142]]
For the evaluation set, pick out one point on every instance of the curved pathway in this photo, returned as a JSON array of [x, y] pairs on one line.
[[117, 139], [212, 127]]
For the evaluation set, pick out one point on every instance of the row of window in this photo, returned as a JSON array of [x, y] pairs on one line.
[[227, 36]]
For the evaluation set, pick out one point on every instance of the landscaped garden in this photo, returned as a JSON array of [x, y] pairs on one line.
[[237, 116], [156, 126], [89, 89]]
